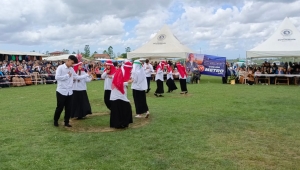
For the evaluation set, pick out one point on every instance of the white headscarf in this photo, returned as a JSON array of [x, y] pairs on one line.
[[138, 75]]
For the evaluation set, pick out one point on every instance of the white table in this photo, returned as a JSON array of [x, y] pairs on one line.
[[284, 77]]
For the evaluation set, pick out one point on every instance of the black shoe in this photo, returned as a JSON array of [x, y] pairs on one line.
[[148, 90], [168, 91], [155, 94], [56, 124], [68, 125], [160, 96]]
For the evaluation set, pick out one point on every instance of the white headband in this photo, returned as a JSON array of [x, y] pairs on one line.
[[127, 65]]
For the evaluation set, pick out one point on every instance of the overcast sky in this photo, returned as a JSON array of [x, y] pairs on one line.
[[217, 28]]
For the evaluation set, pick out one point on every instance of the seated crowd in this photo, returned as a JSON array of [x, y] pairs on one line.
[[248, 75], [22, 73]]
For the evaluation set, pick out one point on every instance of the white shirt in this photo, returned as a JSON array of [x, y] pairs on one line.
[[170, 75], [117, 95], [64, 81], [159, 75], [148, 69], [107, 81], [79, 83]]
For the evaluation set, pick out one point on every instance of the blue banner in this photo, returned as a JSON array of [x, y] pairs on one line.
[[206, 64]]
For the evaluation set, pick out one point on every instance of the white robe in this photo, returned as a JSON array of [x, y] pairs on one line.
[[159, 75], [117, 95], [170, 75], [107, 81], [148, 69], [139, 78], [79, 83]]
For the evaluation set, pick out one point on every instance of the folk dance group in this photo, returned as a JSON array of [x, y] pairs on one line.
[[72, 96], [159, 78]]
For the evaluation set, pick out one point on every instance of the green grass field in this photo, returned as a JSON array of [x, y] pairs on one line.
[[215, 126]]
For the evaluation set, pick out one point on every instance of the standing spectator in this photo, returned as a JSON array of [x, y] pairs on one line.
[[148, 72], [3, 80]]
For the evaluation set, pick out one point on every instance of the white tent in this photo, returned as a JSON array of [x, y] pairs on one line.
[[61, 57], [58, 58], [285, 42], [22, 53], [163, 45]]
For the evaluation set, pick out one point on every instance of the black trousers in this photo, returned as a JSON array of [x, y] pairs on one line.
[[148, 82], [140, 101], [160, 87], [183, 85], [224, 80], [107, 98], [63, 102]]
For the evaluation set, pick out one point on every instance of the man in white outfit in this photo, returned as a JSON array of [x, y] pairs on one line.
[[148, 71]]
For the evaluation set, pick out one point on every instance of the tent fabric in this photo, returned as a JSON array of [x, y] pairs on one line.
[[285, 42], [60, 57], [22, 53], [163, 45], [57, 58]]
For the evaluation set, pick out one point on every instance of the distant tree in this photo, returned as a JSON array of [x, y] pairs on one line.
[[74, 52], [66, 51], [124, 55], [87, 51], [127, 49], [110, 51], [105, 52], [95, 52]]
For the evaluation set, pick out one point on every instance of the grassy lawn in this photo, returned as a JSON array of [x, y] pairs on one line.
[[215, 126]]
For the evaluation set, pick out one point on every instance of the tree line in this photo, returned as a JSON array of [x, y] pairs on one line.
[[87, 52]]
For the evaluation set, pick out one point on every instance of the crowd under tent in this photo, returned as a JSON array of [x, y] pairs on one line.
[[19, 56]]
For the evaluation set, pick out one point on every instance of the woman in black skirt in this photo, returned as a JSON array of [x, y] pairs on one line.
[[80, 101], [107, 75], [159, 78], [139, 85], [170, 80], [121, 113], [182, 78]]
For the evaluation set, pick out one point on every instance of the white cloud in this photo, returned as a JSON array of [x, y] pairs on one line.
[[148, 25], [234, 25]]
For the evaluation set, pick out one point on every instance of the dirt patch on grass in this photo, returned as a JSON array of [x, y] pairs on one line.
[[97, 122]]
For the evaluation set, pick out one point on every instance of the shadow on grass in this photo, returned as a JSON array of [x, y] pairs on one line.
[[99, 122]]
